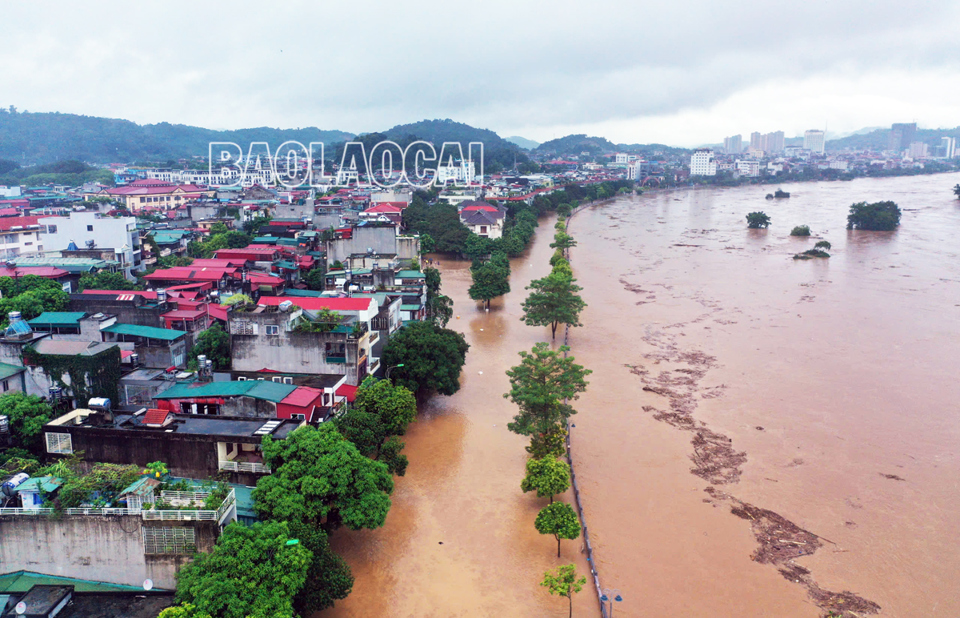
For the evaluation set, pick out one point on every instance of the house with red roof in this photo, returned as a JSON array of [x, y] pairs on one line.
[[150, 193], [391, 212], [20, 236], [482, 218]]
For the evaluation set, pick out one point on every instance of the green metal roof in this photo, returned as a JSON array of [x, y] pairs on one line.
[[265, 240], [288, 242], [166, 239], [57, 318], [72, 264], [40, 483], [7, 370], [286, 264], [308, 293], [410, 274], [149, 332], [258, 389], [23, 581], [410, 307]]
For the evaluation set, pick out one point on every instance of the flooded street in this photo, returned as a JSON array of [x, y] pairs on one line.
[[818, 400], [459, 539]]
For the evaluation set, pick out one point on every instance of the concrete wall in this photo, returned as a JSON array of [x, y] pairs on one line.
[[293, 353], [107, 549], [383, 240]]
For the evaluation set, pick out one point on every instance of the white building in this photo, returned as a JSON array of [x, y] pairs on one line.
[[465, 173], [8, 192], [918, 150], [813, 141], [949, 146], [90, 230], [748, 167], [733, 144], [838, 164], [19, 236], [702, 163]]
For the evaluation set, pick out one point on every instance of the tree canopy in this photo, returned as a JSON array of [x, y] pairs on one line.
[[540, 384], [491, 278], [31, 296], [252, 572], [215, 344], [432, 358], [564, 583], [106, 281], [380, 412], [548, 476], [27, 415], [439, 307], [758, 220], [554, 300], [319, 477], [560, 520], [879, 216]]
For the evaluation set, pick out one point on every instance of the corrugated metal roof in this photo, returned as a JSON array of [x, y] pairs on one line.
[[58, 318], [258, 389], [149, 332], [410, 274], [23, 581], [7, 370]]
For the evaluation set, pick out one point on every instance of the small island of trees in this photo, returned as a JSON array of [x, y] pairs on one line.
[[879, 216], [758, 220]]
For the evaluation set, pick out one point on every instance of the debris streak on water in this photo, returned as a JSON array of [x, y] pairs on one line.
[[761, 436]]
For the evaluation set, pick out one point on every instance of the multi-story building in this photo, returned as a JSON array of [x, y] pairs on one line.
[[747, 167], [90, 230], [20, 236], [702, 163], [813, 140], [948, 147], [772, 142], [733, 144], [901, 136], [150, 193], [918, 150], [755, 139], [638, 170]]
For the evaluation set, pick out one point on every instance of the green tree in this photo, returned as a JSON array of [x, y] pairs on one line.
[[553, 301], [758, 220], [27, 415], [491, 278], [320, 478], [215, 344], [476, 246], [956, 191], [219, 228], [548, 476], [562, 241], [564, 583], [432, 358], [251, 572], [823, 244], [552, 443], [439, 307], [380, 411], [427, 244], [328, 577], [187, 610], [800, 230], [106, 281], [879, 216], [539, 385], [315, 279], [560, 520]]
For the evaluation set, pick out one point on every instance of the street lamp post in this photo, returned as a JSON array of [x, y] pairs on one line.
[[609, 596], [391, 368]]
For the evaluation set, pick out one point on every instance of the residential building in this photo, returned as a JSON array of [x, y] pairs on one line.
[[20, 236], [813, 140], [755, 139], [702, 163], [155, 347], [733, 144], [373, 245], [91, 230], [483, 219], [155, 194], [901, 136], [748, 167], [638, 170], [772, 142], [948, 147], [918, 150]]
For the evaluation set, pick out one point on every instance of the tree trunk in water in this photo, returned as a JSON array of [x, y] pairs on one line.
[[570, 598], [554, 333], [558, 547]]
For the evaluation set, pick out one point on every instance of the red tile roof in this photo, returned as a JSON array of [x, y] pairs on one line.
[[303, 396], [386, 207], [48, 272], [189, 273], [317, 303], [350, 392], [6, 223], [155, 417]]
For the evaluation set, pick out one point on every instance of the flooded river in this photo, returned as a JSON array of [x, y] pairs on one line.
[[742, 404]]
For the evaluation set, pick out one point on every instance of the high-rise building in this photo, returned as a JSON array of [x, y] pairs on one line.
[[948, 146], [813, 140], [733, 144], [772, 142], [755, 138], [918, 150], [702, 163], [901, 136]]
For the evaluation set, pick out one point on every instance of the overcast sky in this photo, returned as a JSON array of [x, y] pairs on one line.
[[682, 73]]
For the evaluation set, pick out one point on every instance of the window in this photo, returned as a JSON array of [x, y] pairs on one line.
[[179, 540], [288, 380], [241, 379], [143, 199], [89, 228], [298, 417], [273, 329], [60, 443], [6, 385], [51, 229], [277, 379]]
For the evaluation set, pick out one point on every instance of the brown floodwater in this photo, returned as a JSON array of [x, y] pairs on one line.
[[824, 392]]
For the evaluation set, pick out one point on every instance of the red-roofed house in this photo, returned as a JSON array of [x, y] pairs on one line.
[[148, 193], [482, 218], [384, 211], [173, 276], [47, 272], [19, 236]]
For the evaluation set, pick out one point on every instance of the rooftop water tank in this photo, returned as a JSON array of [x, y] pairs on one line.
[[12, 483], [99, 403], [286, 305]]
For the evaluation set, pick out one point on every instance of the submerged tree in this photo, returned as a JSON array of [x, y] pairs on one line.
[[560, 520], [554, 300], [540, 386], [879, 216], [548, 476], [758, 220], [564, 583]]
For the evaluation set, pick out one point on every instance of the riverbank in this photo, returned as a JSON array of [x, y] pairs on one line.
[[714, 354]]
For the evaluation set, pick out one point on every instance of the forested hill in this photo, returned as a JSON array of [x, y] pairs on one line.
[[43, 138], [576, 144], [879, 139], [498, 153]]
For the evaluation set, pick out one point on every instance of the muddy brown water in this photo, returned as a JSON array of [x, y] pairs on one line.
[[818, 394]]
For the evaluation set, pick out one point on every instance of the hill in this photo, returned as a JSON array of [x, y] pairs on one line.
[[47, 137], [575, 145], [523, 142], [879, 139], [498, 153]]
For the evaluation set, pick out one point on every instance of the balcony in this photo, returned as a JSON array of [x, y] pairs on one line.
[[244, 466]]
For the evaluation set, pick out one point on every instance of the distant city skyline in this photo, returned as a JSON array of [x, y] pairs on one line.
[[633, 73]]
